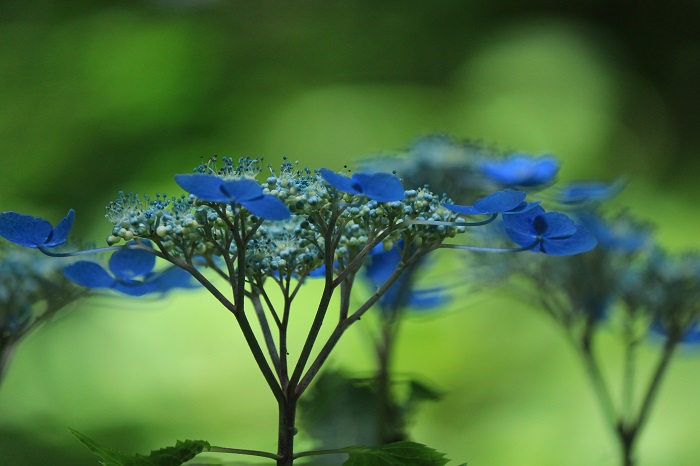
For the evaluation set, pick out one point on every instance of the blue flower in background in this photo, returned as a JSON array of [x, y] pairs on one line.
[[584, 192], [507, 201], [381, 187], [245, 192], [691, 336], [132, 274], [620, 234], [381, 265], [521, 170], [34, 232], [552, 233]]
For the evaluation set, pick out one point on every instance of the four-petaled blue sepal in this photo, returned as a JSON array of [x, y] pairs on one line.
[[507, 201], [34, 232], [245, 192], [521, 170], [552, 233], [589, 192], [381, 187], [131, 273]]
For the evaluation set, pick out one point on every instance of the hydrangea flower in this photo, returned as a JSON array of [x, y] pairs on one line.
[[622, 234], [507, 201], [381, 187], [245, 192], [553, 233], [381, 265], [521, 170], [34, 232], [131, 273]]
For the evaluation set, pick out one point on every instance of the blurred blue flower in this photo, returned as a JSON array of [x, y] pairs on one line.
[[620, 234], [132, 274], [584, 192], [507, 201], [382, 264], [245, 192], [34, 232], [553, 233], [521, 170], [691, 336], [381, 187]]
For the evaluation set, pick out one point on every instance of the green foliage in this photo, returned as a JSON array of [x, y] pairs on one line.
[[341, 409], [395, 454], [182, 452]]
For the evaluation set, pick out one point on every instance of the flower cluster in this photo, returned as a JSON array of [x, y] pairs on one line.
[[466, 170], [287, 215], [665, 288], [300, 223]]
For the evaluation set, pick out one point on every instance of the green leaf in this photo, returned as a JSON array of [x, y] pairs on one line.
[[168, 456], [395, 454], [420, 391]]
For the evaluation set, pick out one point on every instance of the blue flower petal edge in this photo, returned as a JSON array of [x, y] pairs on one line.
[[501, 202], [243, 191], [521, 170], [34, 232], [380, 187]]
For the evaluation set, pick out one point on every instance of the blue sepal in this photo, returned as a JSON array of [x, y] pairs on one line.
[[32, 232]]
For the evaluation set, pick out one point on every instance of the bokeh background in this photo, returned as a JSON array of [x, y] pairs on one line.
[[101, 96]]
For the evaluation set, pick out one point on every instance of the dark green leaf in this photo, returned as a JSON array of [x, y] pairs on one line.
[[182, 452], [420, 391], [395, 454]]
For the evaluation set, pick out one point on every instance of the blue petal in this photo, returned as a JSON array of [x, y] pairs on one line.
[[268, 207], [554, 225], [157, 282], [522, 207], [126, 264], [520, 237], [520, 228], [241, 190], [427, 299], [463, 209], [205, 187], [135, 287], [581, 241], [318, 272], [381, 187], [89, 275], [500, 201], [614, 235], [60, 233], [381, 264], [24, 230], [172, 278], [692, 336], [589, 191], [521, 170], [340, 182], [507, 200]]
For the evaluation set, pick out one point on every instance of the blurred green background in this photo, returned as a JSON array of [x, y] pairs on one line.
[[106, 95]]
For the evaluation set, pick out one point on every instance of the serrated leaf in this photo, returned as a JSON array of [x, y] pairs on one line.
[[395, 454], [182, 452]]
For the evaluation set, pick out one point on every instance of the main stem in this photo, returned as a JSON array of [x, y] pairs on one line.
[[390, 422], [286, 429]]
